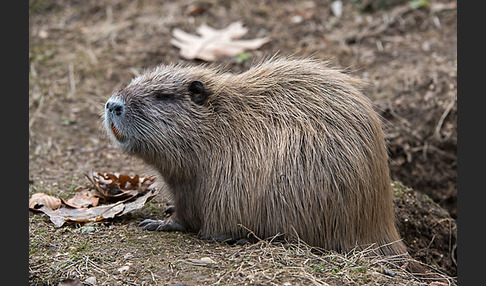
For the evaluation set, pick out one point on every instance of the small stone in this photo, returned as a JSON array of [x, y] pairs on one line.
[[207, 260], [90, 280], [337, 8], [296, 19]]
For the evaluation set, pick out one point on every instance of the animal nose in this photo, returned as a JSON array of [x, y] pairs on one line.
[[115, 107]]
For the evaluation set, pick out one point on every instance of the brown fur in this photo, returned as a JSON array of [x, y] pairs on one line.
[[288, 147]]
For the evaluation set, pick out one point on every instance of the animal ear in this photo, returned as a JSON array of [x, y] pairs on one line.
[[198, 92]]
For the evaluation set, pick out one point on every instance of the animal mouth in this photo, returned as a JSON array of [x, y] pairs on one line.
[[116, 132]]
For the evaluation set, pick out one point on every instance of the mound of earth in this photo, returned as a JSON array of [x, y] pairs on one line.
[[427, 229]]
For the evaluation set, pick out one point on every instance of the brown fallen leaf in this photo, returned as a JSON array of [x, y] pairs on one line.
[[39, 200], [93, 214], [126, 194], [213, 43], [60, 216], [83, 198], [117, 187]]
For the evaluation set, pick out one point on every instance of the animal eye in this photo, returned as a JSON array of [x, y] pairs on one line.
[[198, 92], [196, 87]]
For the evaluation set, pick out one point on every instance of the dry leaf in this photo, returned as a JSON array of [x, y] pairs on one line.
[[39, 200], [139, 201], [213, 43], [117, 187], [83, 198], [126, 193], [60, 216]]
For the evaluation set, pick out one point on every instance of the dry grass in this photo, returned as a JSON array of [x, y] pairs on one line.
[[120, 252], [276, 263]]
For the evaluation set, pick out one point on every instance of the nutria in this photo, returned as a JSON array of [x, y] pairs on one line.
[[289, 147]]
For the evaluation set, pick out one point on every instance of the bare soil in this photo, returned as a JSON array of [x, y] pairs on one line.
[[80, 52]]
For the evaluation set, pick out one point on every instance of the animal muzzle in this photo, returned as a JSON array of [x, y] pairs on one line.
[[114, 110]]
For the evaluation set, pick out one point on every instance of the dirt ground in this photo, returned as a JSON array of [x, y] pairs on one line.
[[80, 52]]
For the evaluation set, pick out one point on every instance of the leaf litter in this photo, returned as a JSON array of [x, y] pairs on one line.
[[110, 196]]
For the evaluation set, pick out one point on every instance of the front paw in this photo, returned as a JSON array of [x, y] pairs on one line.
[[150, 224], [161, 225]]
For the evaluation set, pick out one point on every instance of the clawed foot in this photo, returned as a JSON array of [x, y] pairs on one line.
[[170, 208], [161, 225]]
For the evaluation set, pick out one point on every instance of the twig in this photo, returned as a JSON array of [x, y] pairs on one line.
[[152, 274], [428, 147], [72, 82], [38, 109], [442, 118], [96, 267]]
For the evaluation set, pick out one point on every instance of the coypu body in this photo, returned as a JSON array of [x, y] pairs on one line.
[[288, 147]]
